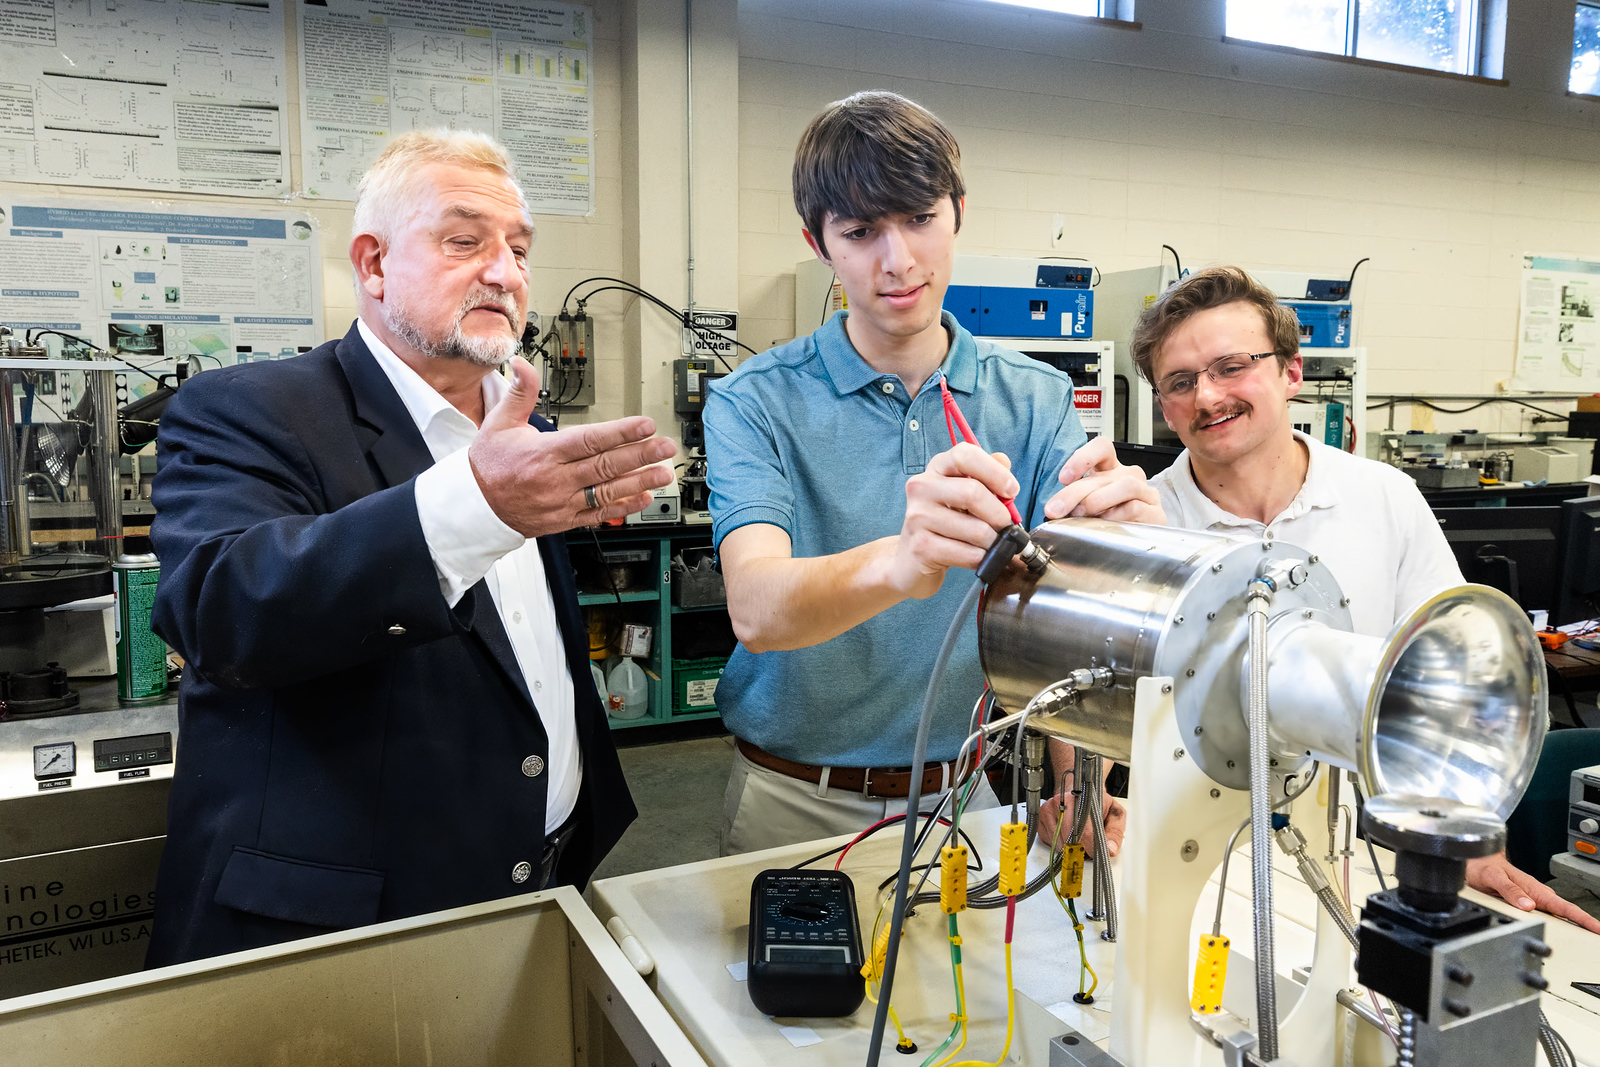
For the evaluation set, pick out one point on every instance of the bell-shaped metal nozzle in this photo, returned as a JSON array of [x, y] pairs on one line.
[[1452, 703], [1459, 705]]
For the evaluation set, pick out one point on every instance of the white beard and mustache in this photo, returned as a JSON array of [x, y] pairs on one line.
[[484, 351]]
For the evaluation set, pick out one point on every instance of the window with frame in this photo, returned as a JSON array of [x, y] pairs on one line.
[[1585, 76], [1453, 36]]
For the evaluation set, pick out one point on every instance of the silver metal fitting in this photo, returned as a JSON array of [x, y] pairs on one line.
[[1091, 678]]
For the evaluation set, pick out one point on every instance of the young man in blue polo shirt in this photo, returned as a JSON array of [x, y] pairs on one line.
[[839, 504]]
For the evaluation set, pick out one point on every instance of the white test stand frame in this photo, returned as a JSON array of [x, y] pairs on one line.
[[1171, 801]]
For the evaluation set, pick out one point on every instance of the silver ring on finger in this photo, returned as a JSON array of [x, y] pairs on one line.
[[589, 498]]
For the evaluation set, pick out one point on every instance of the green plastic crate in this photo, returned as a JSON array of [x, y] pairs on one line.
[[694, 684]]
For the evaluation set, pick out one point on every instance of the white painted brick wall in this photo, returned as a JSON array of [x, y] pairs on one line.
[[1227, 152]]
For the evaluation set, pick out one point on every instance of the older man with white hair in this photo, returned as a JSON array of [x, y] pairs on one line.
[[386, 706]]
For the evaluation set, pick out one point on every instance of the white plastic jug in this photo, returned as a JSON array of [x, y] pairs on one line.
[[599, 680], [626, 690]]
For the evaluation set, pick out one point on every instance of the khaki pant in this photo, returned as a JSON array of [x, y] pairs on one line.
[[765, 809]]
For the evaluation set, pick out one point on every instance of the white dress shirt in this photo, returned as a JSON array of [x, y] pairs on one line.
[[468, 541], [1366, 520]]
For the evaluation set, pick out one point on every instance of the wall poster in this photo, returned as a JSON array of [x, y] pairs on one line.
[[180, 95], [517, 69], [1558, 340], [153, 282]]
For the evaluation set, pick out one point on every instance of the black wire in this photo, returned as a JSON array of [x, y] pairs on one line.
[[681, 316], [1350, 285], [893, 820], [827, 298], [1371, 852], [704, 333], [90, 344], [1176, 261], [1420, 402]]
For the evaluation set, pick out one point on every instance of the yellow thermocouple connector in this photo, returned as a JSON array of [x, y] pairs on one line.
[[1072, 871], [953, 878], [872, 970], [1013, 858], [1210, 973]]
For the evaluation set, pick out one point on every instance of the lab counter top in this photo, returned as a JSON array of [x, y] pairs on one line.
[[693, 919]]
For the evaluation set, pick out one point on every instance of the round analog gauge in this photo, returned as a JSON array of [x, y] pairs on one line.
[[55, 761]]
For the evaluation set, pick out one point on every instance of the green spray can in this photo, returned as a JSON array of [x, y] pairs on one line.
[[141, 655]]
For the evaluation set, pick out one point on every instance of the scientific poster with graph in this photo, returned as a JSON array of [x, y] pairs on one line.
[[1558, 336], [373, 69], [156, 282], [179, 95]]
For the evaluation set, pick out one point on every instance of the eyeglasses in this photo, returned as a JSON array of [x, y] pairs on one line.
[[1229, 368]]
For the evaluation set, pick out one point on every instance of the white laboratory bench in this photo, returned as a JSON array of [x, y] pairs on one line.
[[693, 919]]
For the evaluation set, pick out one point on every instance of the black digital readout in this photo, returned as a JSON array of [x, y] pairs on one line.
[[117, 753], [796, 954]]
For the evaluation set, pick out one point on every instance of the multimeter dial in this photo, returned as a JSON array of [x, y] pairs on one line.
[[805, 944], [803, 911]]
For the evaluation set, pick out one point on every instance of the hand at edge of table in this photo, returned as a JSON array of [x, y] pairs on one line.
[[1496, 876]]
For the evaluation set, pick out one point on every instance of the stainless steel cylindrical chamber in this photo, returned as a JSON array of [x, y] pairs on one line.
[[1145, 601], [1451, 702]]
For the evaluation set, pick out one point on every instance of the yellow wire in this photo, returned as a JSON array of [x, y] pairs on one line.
[[961, 995], [1011, 1020], [896, 1020]]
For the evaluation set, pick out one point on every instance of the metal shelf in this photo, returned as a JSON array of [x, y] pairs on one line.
[[635, 596]]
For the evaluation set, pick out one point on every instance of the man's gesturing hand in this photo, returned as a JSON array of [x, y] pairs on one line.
[[535, 481], [1098, 485]]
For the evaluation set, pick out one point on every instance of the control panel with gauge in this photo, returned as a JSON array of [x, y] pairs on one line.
[[1583, 813], [805, 944], [91, 790]]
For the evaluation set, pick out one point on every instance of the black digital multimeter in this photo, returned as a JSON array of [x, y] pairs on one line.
[[805, 944]]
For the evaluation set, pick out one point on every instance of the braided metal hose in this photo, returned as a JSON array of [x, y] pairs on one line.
[[1406, 1048], [1105, 890], [1260, 597]]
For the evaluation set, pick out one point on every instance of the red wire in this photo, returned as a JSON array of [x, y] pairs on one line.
[[1011, 915], [953, 419], [869, 830]]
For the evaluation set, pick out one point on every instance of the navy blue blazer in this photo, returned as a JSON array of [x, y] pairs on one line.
[[351, 749]]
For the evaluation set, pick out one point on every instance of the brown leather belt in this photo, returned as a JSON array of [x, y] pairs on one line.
[[883, 782]]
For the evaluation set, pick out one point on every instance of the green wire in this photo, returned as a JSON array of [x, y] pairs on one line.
[[955, 961], [955, 949]]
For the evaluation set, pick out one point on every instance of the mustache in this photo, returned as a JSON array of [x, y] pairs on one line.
[[500, 301], [1200, 420]]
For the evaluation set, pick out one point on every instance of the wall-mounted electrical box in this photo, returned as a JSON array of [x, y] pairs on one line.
[[689, 379], [572, 364]]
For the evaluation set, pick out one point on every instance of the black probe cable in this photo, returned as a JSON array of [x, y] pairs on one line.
[[632, 287], [702, 332], [90, 344], [919, 759]]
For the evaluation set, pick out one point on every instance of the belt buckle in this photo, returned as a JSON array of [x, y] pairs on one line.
[[866, 782]]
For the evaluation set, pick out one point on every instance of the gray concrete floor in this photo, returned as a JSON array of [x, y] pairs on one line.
[[677, 787]]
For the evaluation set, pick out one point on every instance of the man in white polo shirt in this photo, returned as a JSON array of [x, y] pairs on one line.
[[1224, 357]]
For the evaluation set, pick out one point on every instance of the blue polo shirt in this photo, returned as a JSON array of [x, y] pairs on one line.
[[809, 438]]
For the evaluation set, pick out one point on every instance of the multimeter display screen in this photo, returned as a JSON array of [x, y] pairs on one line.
[[1591, 794], [796, 954]]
